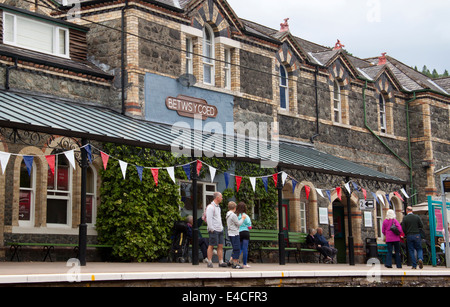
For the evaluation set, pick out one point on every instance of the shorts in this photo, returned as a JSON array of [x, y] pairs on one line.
[[216, 238]]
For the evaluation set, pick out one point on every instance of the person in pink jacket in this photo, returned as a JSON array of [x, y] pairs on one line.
[[392, 239]]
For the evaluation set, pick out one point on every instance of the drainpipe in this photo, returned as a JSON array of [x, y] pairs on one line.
[[122, 53], [317, 106], [8, 69], [408, 164]]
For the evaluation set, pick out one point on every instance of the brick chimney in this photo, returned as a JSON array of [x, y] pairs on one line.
[[382, 59], [338, 45]]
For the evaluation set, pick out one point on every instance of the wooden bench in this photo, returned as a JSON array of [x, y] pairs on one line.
[[226, 247], [299, 239], [270, 236], [47, 248]]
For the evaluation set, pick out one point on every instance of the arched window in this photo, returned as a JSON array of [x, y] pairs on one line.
[[337, 103], [382, 102], [59, 191], [284, 88], [208, 55], [27, 195]]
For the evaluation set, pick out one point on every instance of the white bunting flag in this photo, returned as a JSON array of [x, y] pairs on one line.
[[171, 171], [71, 157], [404, 193], [347, 186], [253, 182], [123, 167], [4, 158], [283, 177], [212, 171], [320, 192], [381, 199]]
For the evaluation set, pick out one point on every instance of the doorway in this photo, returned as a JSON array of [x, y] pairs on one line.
[[339, 232]]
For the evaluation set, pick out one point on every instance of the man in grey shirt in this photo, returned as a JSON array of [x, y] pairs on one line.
[[215, 230]]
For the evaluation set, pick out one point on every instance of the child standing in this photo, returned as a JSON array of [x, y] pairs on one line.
[[233, 233]]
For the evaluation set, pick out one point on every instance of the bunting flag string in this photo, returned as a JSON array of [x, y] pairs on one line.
[[70, 155]]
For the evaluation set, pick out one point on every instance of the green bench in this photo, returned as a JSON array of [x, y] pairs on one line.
[[299, 239], [271, 237], [47, 248]]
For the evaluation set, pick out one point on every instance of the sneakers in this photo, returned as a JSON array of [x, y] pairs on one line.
[[223, 265], [209, 265], [420, 262], [237, 266]]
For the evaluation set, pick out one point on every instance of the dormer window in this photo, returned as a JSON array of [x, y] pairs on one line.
[[208, 56], [36, 35]]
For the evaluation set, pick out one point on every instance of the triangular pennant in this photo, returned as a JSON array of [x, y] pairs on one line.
[[89, 152], [155, 172], [398, 195], [199, 167], [171, 171], [320, 192], [51, 163], [283, 177], [388, 200], [307, 191], [380, 197], [329, 195], [404, 193], [238, 182], [338, 191], [187, 170], [227, 179], [4, 158], [294, 184], [212, 172], [140, 170], [266, 182], [275, 179], [253, 183], [105, 159], [347, 186], [364, 193], [29, 163], [375, 197], [355, 186], [123, 167], [71, 157]]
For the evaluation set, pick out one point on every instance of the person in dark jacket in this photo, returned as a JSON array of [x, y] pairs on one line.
[[323, 245], [412, 226]]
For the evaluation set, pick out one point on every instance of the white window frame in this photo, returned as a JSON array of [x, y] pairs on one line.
[[189, 55], [337, 100], [227, 68], [285, 87], [94, 197], [383, 123], [67, 197], [30, 223], [205, 193], [303, 217], [55, 38], [208, 58]]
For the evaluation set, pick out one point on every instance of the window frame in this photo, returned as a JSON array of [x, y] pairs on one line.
[[208, 58], [337, 98], [284, 87], [189, 64], [55, 35], [227, 68], [32, 189], [382, 113]]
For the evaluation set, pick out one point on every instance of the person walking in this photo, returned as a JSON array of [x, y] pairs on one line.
[[412, 226], [215, 230], [392, 231], [244, 232]]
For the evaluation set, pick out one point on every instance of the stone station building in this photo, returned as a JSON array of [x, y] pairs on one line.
[[131, 56]]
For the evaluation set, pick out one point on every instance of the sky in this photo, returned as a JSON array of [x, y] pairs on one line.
[[415, 32]]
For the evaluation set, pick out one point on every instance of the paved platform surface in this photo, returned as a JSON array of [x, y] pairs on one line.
[[40, 272]]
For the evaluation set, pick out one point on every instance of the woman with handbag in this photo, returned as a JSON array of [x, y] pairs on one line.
[[392, 231]]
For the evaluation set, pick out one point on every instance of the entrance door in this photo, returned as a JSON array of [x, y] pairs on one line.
[[339, 232]]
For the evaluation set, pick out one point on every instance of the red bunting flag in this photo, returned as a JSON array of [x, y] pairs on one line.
[[364, 193], [155, 175], [105, 159], [338, 191], [51, 163], [307, 190], [275, 179], [199, 167], [238, 182], [398, 195]]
